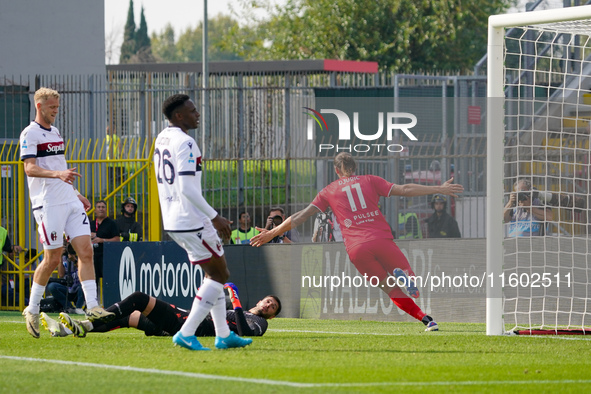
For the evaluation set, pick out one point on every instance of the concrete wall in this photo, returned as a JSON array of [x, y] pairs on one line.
[[52, 37]]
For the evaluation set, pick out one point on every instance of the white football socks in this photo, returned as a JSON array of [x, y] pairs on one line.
[[218, 315], [35, 298], [206, 298], [90, 295]]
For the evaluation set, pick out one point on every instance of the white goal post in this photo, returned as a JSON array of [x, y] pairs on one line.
[[538, 116]]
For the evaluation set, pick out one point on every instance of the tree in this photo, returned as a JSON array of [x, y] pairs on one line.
[[220, 29], [189, 47], [401, 35], [143, 45], [163, 46], [190, 44], [136, 47], [128, 48], [141, 36]]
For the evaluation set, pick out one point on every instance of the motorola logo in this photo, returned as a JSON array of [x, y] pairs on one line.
[[126, 273], [158, 278]]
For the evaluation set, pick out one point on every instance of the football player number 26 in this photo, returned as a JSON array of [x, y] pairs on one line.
[[164, 167], [357, 187]]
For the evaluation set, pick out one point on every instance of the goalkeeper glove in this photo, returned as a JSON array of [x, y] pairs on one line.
[[233, 292]]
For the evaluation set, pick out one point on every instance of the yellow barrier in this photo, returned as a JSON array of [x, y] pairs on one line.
[[134, 178]]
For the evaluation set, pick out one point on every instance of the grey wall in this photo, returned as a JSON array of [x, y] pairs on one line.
[[52, 37]]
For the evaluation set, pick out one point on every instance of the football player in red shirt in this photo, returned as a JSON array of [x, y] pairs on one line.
[[367, 236]]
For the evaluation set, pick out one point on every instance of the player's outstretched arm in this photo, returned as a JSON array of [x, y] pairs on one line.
[[233, 293], [293, 221], [266, 235], [244, 329], [413, 190]]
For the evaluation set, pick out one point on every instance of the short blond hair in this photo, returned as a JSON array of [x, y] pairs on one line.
[[43, 94]]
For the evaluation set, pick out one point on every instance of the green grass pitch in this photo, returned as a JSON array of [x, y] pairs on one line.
[[297, 355]]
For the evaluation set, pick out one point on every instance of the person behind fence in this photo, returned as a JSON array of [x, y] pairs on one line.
[[57, 206], [323, 227], [102, 229], [6, 245], [245, 231], [13, 288], [409, 226], [441, 224], [66, 289], [158, 318], [275, 218], [7, 290], [368, 237], [525, 214], [129, 229]]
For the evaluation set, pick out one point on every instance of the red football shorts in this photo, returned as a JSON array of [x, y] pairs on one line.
[[379, 258]]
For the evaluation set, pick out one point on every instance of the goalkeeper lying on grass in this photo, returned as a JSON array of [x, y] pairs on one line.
[[158, 318]]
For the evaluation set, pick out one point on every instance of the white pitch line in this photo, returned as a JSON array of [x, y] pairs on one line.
[[161, 372], [331, 332], [296, 384], [456, 383]]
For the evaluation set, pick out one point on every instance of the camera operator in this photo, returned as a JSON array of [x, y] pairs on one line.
[[525, 212], [275, 218]]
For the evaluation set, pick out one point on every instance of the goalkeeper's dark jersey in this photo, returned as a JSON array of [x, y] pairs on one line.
[[242, 323], [169, 319]]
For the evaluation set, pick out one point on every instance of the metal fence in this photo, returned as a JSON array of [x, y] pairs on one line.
[[254, 146], [256, 154]]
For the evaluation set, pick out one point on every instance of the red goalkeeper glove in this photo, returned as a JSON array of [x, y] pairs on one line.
[[233, 292]]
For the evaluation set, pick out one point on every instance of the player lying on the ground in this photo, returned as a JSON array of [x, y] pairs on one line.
[[158, 318]]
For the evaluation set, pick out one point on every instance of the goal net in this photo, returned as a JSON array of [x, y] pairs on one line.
[[539, 113]]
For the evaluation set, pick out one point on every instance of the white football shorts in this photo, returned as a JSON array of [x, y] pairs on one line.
[[54, 221], [200, 245]]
